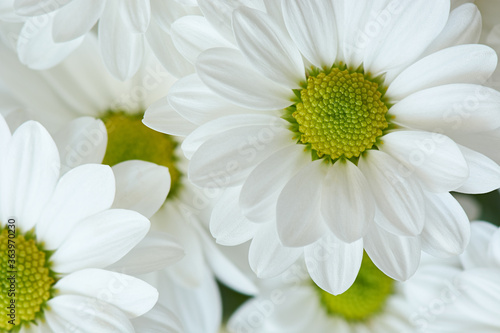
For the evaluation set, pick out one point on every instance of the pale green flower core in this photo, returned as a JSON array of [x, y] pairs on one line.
[[26, 279], [365, 298], [339, 113], [130, 139]]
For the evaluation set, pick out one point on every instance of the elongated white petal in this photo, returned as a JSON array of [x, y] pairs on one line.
[[267, 257], [158, 319], [463, 27], [161, 117], [76, 19], [428, 156], [399, 199], [38, 7], [121, 48], [404, 35], [334, 264], [81, 192], [193, 34], [129, 294], [261, 189], [457, 64], [227, 158], [457, 107], [268, 47], [347, 204], [475, 255], [227, 223], [74, 312], [484, 174], [138, 13], [166, 12], [141, 186], [396, 256], [447, 229], [481, 288], [100, 240], [298, 216], [30, 170], [227, 72]]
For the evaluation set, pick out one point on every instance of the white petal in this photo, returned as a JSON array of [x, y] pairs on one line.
[[267, 257], [223, 70], [298, 215], [399, 199], [463, 27], [38, 7], [81, 141], [447, 229], [458, 107], [76, 19], [203, 133], [69, 313], [30, 172], [334, 264], [458, 64], [347, 204], [268, 47], [121, 48], [164, 49], [159, 319], [205, 107], [81, 192], [129, 294], [396, 256], [193, 34], [484, 174], [156, 251], [100, 240], [313, 30], [494, 249], [4, 136], [261, 189], [141, 186], [161, 117], [227, 158], [138, 12], [36, 47], [481, 287], [476, 254], [227, 223], [430, 156], [166, 12], [404, 35]]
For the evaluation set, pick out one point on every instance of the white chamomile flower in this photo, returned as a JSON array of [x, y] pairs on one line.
[[337, 124], [53, 29], [78, 87], [58, 236]]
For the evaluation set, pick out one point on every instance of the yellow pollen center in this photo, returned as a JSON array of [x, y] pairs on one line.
[[340, 113], [366, 297], [26, 279]]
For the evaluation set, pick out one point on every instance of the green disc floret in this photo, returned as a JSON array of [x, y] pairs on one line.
[[365, 298], [27, 279], [130, 139], [340, 113]]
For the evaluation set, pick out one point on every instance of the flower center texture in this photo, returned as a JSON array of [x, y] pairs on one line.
[[27, 279], [366, 297], [339, 113], [130, 139]]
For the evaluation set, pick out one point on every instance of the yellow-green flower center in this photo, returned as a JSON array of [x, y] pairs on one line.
[[27, 279], [340, 113], [130, 139], [366, 297]]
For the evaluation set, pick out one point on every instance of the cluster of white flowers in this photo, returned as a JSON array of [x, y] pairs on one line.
[[272, 166]]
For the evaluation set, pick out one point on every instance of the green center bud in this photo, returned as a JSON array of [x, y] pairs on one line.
[[130, 139], [26, 279], [366, 297], [340, 113]]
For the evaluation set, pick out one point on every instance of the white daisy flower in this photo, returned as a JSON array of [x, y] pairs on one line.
[[337, 133], [57, 236], [187, 288], [53, 29]]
